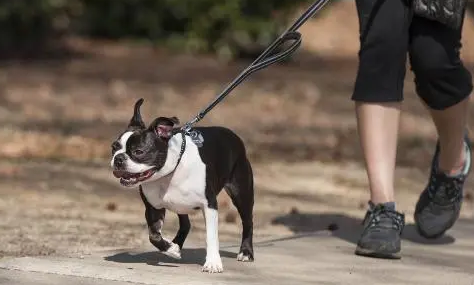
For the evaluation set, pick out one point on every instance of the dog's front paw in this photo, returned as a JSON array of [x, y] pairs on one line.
[[173, 251], [213, 265]]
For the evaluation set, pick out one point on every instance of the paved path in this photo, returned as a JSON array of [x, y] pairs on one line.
[[306, 259]]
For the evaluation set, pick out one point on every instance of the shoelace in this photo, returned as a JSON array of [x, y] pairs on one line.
[[379, 212]]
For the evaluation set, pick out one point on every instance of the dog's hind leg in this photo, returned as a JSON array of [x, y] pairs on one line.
[[183, 231], [155, 219], [241, 191]]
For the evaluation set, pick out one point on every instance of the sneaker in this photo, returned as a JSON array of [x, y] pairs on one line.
[[440, 203], [383, 227]]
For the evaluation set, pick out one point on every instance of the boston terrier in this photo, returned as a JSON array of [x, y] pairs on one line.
[[177, 172]]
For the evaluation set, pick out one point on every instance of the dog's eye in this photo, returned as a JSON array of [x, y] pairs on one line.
[[138, 152]]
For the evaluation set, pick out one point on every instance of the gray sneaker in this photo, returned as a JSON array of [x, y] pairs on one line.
[[440, 203], [382, 230]]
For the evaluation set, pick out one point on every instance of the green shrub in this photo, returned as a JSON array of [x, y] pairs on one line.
[[28, 25], [229, 28], [225, 27]]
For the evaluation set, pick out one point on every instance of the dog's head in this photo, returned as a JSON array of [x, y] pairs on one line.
[[140, 152]]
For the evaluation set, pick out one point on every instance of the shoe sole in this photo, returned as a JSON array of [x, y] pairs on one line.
[[377, 254]]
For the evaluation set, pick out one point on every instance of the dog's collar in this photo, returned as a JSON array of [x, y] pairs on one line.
[[181, 152]]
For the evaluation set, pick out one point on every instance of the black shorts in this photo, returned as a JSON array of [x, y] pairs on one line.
[[388, 31]]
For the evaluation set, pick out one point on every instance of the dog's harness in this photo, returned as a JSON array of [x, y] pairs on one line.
[[195, 136], [183, 148]]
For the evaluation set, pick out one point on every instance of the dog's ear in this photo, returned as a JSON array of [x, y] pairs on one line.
[[163, 126], [136, 123]]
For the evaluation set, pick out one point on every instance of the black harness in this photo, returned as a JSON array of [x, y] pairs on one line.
[[183, 148]]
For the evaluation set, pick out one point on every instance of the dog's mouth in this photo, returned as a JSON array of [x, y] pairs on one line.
[[129, 179]]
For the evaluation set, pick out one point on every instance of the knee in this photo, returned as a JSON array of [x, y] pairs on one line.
[[440, 77], [428, 62]]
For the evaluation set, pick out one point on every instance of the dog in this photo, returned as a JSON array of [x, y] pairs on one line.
[[176, 172]]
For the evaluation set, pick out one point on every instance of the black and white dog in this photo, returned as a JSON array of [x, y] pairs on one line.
[[174, 172]]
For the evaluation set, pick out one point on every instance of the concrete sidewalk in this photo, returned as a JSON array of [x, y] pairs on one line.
[[309, 259]]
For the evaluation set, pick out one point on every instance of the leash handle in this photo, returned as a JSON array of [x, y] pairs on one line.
[[264, 59]]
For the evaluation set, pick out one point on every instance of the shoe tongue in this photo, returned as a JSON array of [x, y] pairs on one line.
[[390, 206], [387, 205]]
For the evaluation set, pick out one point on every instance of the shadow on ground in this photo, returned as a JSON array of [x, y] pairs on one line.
[[189, 256], [302, 225], [344, 227]]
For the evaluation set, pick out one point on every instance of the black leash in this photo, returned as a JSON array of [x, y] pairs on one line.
[[264, 60]]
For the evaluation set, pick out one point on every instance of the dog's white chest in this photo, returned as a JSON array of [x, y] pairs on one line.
[[182, 192]]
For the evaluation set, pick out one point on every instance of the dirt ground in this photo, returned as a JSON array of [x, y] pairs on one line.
[[59, 117]]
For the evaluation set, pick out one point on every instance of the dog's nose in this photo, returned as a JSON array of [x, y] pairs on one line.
[[119, 160]]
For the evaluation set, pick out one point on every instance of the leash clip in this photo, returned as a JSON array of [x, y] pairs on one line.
[[195, 135], [186, 128]]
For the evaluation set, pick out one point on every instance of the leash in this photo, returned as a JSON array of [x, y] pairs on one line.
[[264, 60]]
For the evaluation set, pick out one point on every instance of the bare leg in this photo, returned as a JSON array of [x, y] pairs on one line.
[[378, 131], [451, 126]]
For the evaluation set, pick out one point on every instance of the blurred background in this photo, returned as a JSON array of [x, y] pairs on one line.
[[71, 70]]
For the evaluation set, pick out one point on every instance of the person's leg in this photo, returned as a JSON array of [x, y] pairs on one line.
[[378, 93], [444, 85], [378, 138], [451, 127]]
